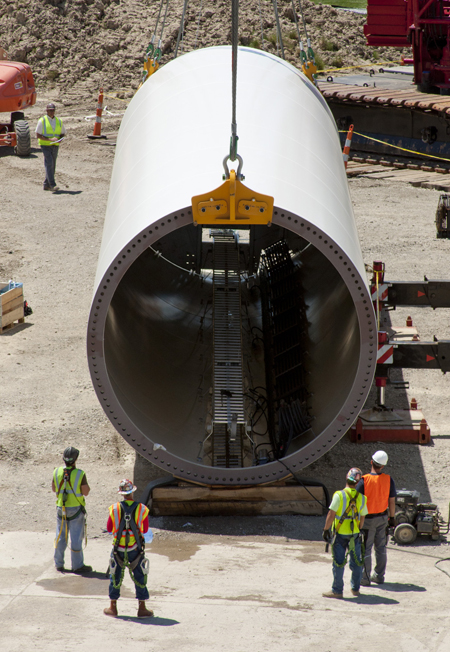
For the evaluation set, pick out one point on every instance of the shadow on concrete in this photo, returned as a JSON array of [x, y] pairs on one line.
[[155, 621], [398, 587], [372, 599], [67, 192]]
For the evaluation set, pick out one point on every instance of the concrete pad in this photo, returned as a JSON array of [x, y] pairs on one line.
[[221, 594]]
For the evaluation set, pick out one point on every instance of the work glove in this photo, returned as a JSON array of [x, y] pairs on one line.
[[391, 521], [326, 536]]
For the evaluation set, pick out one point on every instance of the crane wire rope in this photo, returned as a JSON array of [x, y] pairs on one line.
[[261, 21], [163, 25], [198, 23], [181, 29], [157, 21], [234, 55], [279, 35]]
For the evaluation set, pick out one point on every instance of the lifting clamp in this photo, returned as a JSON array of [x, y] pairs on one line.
[[232, 203]]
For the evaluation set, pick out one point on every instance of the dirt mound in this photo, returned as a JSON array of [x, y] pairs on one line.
[[88, 43]]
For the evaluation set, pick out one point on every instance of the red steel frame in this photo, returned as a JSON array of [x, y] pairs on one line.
[[424, 25]]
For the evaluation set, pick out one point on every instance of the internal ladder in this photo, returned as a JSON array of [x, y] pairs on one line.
[[228, 394]]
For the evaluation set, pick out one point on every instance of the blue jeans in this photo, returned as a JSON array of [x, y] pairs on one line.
[[141, 593], [50, 155], [76, 530], [340, 546]]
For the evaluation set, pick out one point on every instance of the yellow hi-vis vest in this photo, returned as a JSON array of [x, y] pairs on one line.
[[356, 502], [140, 513], [74, 496], [49, 132]]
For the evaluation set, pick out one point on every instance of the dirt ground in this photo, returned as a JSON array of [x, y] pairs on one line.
[[50, 242]]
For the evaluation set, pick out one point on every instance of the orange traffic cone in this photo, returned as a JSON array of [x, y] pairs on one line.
[[98, 118], [348, 142]]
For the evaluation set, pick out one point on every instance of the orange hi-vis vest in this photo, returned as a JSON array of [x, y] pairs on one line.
[[140, 514], [376, 489]]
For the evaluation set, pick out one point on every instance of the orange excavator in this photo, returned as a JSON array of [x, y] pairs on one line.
[[17, 91]]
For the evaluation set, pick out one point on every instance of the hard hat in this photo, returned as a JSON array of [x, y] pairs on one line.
[[126, 487], [50, 105], [380, 458], [70, 455], [354, 475]]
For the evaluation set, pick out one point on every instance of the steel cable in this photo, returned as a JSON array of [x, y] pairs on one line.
[[157, 20], [261, 21], [234, 54], [279, 35], [181, 29], [198, 23]]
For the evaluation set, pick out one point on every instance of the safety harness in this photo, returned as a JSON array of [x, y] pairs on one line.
[[65, 519], [127, 523], [349, 512]]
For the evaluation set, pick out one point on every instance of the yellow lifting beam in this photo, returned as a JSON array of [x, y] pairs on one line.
[[232, 203]]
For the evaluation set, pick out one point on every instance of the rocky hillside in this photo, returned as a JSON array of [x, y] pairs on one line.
[[82, 44]]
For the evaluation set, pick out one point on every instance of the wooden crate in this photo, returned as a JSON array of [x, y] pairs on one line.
[[11, 306], [193, 500]]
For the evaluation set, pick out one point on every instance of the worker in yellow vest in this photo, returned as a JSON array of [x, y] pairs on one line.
[[128, 522], [342, 530], [49, 132], [71, 488]]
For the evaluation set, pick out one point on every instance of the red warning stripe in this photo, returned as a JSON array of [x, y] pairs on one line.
[[385, 354]]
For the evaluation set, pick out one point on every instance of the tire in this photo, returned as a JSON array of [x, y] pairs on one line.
[[23, 147], [404, 534]]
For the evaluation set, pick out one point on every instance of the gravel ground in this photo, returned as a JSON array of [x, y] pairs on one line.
[[50, 242]]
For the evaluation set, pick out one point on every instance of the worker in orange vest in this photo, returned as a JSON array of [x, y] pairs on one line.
[[128, 522], [379, 489]]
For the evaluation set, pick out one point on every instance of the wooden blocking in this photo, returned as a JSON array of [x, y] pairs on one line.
[[11, 306], [193, 500]]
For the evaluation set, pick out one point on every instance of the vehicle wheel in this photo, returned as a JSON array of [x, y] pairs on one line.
[[23, 147], [405, 534]]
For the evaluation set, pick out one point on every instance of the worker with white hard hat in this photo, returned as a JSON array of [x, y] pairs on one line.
[[379, 489]]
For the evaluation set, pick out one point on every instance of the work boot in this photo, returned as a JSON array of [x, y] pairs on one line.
[[83, 569], [376, 579], [143, 612], [112, 609], [365, 582], [330, 594], [355, 593]]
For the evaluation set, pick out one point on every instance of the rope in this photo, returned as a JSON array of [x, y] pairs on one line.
[[279, 35], [234, 54], [403, 149], [361, 65], [352, 550], [181, 29]]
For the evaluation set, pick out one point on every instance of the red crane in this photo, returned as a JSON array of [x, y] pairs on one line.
[[423, 25]]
